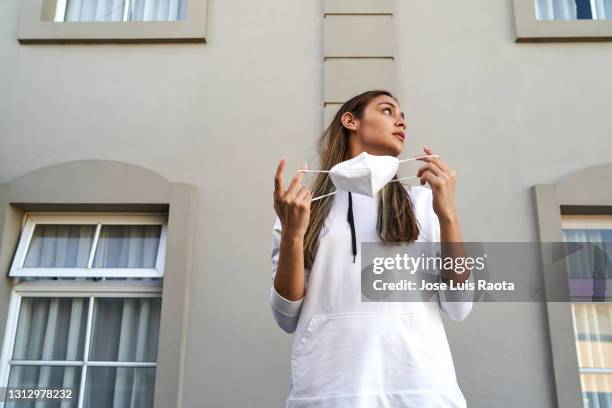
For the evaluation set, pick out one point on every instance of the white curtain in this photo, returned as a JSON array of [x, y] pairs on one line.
[[94, 10], [159, 10], [138, 10], [124, 329], [593, 328], [127, 246], [60, 246], [588, 263], [603, 9], [78, 312], [49, 329], [567, 10], [556, 9]]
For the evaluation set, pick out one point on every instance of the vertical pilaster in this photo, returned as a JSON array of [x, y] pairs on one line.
[[359, 50]]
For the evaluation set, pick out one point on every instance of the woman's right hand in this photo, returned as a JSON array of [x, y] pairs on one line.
[[292, 205]]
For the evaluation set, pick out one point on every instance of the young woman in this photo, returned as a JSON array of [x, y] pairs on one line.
[[349, 353]]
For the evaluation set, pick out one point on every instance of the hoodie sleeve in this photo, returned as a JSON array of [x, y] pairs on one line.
[[286, 312], [457, 304]]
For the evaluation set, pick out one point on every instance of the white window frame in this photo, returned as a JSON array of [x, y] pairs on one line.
[[70, 289], [529, 29], [98, 219], [38, 24], [588, 222]]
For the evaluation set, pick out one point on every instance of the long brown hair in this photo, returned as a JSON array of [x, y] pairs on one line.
[[396, 220]]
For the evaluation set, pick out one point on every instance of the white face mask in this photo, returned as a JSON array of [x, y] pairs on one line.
[[364, 174]]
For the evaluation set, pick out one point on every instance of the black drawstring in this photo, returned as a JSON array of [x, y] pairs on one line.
[[351, 222]]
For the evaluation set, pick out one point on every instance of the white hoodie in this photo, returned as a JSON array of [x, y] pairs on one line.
[[353, 354]]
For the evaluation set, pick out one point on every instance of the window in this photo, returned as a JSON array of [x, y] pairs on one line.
[[593, 317], [562, 20], [573, 9], [120, 10], [69, 245], [102, 347], [112, 21], [85, 308]]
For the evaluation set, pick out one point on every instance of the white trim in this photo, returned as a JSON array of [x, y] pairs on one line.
[[596, 371], [79, 363], [86, 288], [88, 272], [94, 245], [88, 330], [9, 339], [98, 219], [127, 364], [160, 262], [55, 363], [24, 242]]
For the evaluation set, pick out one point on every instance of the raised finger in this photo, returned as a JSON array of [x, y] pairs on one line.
[[279, 189]]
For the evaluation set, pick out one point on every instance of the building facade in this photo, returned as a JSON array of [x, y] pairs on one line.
[[161, 131]]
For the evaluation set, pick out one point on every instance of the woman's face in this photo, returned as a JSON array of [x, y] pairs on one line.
[[381, 130]]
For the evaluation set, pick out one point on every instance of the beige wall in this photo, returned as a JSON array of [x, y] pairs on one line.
[[507, 116], [219, 116]]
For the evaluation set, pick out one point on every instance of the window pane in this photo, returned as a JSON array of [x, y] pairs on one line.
[[590, 263], [119, 387], [113, 10], [573, 9], [51, 329], [127, 246], [159, 10], [94, 10], [60, 246], [125, 329], [593, 328], [596, 390], [55, 377]]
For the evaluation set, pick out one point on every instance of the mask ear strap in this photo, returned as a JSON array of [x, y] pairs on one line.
[[317, 171], [324, 195], [404, 178], [418, 157]]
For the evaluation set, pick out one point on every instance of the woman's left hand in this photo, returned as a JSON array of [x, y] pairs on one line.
[[441, 177]]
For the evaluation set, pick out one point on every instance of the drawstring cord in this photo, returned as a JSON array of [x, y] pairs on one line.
[[351, 221]]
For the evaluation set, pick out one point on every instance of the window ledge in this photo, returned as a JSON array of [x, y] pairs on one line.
[[529, 29], [33, 28], [116, 288]]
